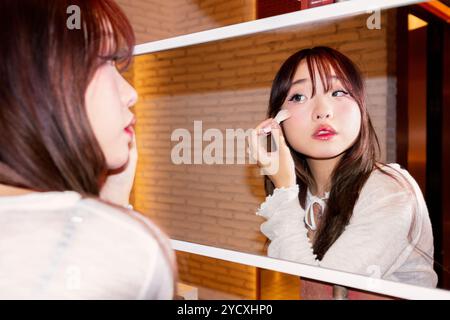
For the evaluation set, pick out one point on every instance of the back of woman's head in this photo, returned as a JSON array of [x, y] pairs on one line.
[[46, 141]]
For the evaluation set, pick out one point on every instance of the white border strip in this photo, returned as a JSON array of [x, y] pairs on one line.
[[318, 14], [390, 288]]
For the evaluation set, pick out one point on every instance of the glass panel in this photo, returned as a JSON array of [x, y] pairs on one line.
[[195, 178]]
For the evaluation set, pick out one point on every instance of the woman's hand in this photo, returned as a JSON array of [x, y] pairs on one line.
[[119, 183], [278, 165]]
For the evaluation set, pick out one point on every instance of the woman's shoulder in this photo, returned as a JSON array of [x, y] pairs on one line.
[[47, 213], [126, 222], [389, 183], [137, 240], [102, 240], [390, 178], [51, 211]]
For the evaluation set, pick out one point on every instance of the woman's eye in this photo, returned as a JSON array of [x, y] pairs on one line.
[[339, 93], [298, 98]]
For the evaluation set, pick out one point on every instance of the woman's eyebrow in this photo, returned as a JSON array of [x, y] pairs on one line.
[[299, 81], [335, 78]]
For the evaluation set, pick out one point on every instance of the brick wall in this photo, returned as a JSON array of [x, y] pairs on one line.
[[151, 19], [226, 85], [155, 19], [237, 280]]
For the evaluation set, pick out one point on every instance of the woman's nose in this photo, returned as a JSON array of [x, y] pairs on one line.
[[133, 97], [130, 95], [322, 111], [322, 116]]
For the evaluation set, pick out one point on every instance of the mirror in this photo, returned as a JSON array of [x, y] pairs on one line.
[[195, 179]]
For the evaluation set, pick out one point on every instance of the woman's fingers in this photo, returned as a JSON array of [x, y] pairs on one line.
[[258, 142], [265, 126], [278, 137], [133, 155], [277, 164], [257, 152]]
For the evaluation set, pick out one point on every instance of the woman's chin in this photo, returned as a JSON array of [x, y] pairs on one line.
[[323, 154], [117, 161]]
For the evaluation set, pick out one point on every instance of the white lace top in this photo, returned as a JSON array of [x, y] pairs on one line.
[[374, 243], [55, 245]]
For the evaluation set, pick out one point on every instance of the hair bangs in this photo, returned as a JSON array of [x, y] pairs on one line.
[[115, 34], [325, 65]]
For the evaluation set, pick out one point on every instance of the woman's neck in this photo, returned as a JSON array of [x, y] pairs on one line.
[[6, 190], [321, 170]]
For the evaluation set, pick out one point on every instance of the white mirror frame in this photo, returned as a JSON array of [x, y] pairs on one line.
[[375, 285]]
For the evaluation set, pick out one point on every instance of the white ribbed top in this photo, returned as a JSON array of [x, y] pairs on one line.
[[56, 245]]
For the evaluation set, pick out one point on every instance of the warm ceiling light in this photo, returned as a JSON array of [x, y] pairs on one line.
[[440, 9], [415, 23]]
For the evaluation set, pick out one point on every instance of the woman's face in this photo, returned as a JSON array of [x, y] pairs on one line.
[[108, 99], [334, 110]]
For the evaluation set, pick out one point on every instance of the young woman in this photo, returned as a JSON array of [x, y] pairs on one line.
[[331, 203], [68, 158]]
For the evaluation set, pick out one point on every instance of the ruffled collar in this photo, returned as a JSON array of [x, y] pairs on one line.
[[310, 200], [310, 197]]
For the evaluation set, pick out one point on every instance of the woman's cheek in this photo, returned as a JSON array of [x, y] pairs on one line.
[[351, 119], [295, 131]]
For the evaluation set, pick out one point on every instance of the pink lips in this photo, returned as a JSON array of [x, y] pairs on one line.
[[324, 132], [130, 128]]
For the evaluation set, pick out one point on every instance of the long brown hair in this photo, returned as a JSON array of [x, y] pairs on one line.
[[46, 141], [357, 163]]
